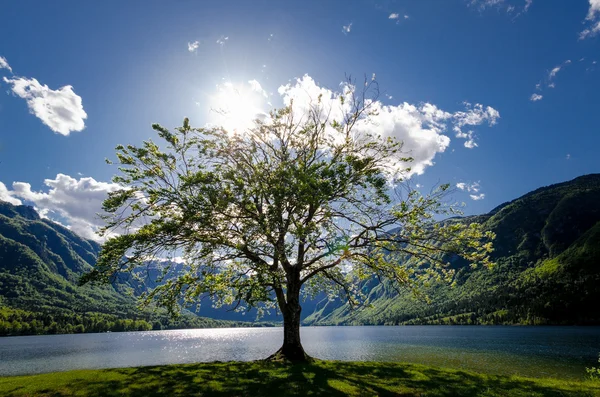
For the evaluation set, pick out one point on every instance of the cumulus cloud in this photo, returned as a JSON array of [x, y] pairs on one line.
[[473, 115], [6, 195], [592, 20], [193, 47], [477, 197], [4, 64], [535, 97], [421, 127], [61, 109], [74, 201], [347, 28], [394, 16]]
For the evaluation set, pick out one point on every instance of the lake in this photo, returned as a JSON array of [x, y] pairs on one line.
[[561, 352]]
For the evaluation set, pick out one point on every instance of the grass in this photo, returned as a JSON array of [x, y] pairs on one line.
[[259, 378]]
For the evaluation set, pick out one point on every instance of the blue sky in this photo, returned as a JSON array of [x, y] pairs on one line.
[[134, 63]]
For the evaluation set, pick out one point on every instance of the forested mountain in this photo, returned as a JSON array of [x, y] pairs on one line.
[[547, 271], [40, 265], [547, 254]]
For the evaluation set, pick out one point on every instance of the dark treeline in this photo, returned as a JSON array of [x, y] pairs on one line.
[[20, 322]]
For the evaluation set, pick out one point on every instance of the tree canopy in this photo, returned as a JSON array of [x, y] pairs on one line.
[[305, 200]]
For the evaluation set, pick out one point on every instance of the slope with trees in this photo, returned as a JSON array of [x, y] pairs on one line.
[[547, 269], [40, 266]]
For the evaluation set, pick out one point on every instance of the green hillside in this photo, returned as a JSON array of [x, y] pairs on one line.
[[40, 265], [547, 255]]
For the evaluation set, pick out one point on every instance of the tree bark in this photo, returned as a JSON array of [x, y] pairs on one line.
[[292, 349]]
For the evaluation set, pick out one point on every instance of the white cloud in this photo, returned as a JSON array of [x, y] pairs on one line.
[[554, 71], [193, 47], [548, 81], [396, 17], [483, 4], [592, 19], [347, 28], [76, 201], [4, 64], [472, 116], [421, 127], [6, 195], [594, 9], [222, 40], [468, 187], [568, 156], [536, 97], [509, 6], [255, 86], [591, 31], [471, 188], [61, 109]]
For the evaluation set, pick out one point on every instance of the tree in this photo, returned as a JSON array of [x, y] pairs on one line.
[[306, 200]]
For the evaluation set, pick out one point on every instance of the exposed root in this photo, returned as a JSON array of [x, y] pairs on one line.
[[294, 354]]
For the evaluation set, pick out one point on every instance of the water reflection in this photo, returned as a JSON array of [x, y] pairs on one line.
[[529, 351]]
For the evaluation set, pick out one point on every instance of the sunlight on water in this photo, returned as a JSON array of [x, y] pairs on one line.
[[529, 351]]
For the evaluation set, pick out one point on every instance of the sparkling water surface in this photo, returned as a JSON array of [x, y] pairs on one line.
[[561, 352]]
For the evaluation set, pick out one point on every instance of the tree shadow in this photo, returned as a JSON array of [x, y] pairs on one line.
[[319, 378]]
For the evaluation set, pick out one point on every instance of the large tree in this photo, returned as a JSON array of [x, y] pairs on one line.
[[305, 200]]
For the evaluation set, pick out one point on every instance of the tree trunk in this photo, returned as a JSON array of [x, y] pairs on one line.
[[292, 349]]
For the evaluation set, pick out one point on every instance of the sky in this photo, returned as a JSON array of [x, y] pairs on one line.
[[495, 97]]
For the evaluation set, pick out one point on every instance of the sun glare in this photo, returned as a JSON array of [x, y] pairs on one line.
[[236, 106]]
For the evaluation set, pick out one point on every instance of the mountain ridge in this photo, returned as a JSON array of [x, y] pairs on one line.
[[546, 242], [533, 230]]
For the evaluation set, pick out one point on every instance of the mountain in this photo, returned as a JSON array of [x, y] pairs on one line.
[[547, 254], [547, 271], [40, 265]]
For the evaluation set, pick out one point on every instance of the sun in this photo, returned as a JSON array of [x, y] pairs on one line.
[[235, 106]]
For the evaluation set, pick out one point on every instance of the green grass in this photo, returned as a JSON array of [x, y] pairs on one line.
[[320, 378]]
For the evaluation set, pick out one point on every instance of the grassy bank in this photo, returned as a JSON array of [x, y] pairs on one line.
[[322, 378]]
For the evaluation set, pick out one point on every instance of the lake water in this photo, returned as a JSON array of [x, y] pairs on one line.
[[562, 352]]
